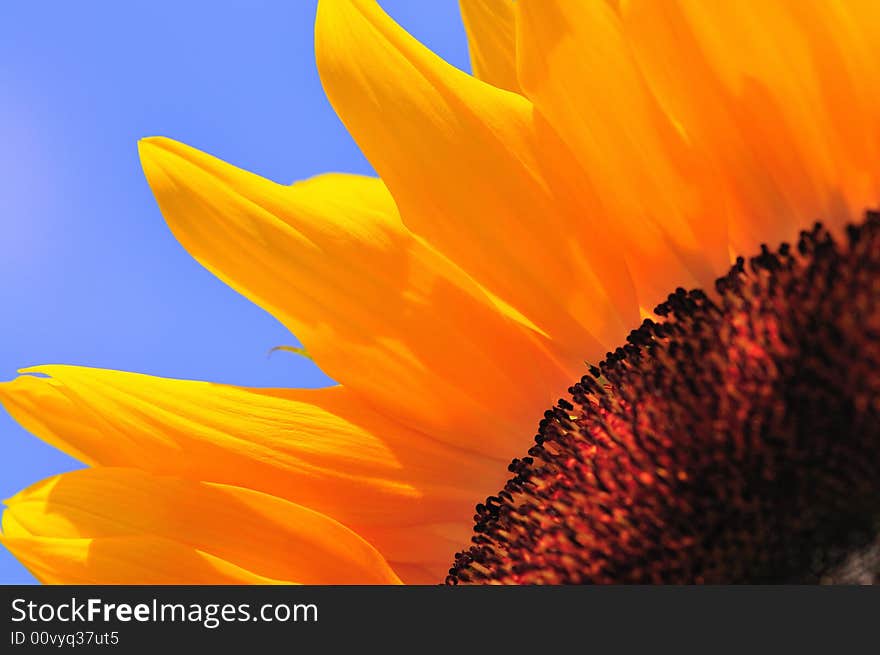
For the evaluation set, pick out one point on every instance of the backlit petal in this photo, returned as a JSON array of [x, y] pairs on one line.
[[124, 526], [321, 448], [575, 66], [782, 97], [144, 559], [491, 31], [378, 310], [474, 171]]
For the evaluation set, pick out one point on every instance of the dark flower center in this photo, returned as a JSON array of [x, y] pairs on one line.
[[737, 440]]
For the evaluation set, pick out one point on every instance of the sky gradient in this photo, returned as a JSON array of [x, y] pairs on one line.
[[89, 272]]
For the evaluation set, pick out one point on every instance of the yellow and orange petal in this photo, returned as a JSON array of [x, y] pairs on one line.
[[491, 35], [321, 448], [654, 188], [124, 526], [478, 174], [782, 99], [378, 309]]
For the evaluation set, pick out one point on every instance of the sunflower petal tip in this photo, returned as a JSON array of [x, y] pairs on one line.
[[153, 148], [30, 371], [155, 140], [148, 143]]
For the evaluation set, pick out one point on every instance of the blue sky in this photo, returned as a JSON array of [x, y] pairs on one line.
[[89, 273]]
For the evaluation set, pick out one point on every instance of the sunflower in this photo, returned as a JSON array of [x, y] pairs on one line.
[[525, 220]]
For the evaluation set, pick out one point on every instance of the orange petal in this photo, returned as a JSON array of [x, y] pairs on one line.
[[491, 31], [781, 97], [474, 171], [143, 559], [378, 310], [575, 66], [123, 526], [321, 448]]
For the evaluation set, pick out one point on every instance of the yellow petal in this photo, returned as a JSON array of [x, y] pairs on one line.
[[321, 448], [491, 31], [143, 559], [476, 173], [781, 97], [575, 66], [123, 526], [376, 308]]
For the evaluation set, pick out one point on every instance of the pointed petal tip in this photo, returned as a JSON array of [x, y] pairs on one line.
[[149, 144], [152, 149], [155, 140], [27, 370]]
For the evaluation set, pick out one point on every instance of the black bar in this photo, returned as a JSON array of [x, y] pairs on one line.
[[425, 619]]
